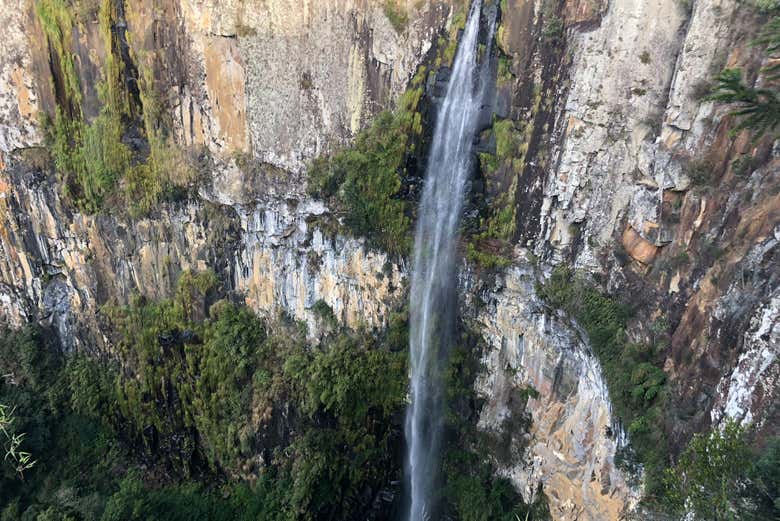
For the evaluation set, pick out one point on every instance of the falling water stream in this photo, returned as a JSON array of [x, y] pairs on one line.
[[433, 291]]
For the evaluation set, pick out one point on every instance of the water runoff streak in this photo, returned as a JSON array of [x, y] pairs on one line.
[[433, 291]]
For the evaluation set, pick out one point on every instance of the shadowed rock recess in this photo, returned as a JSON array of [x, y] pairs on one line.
[[207, 212]]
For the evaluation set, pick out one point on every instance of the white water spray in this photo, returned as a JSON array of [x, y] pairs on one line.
[[433, 296]]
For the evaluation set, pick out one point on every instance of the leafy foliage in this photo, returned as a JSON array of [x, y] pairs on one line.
[[189, 375], [769, 38], [718, 478], [89, 158], [489, 245], [766, 6], [706, 477], [397, 15], [204, 389], [364, 181], [758, 109], [92, 158], [471, 491], [349, 394], [19, 459], [57, 23], [133, 501], [75, 453], [765, 478], [168, 171], [478, 496]]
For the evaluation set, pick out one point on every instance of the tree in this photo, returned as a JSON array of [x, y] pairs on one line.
[[770, 39], [758, 108], [711, 475]]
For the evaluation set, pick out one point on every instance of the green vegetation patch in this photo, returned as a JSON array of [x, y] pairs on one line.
[[504, 74], [363, 181], [757, 109], [397, 15], [89, 158], [471, 491], [57, 22], [489, 245], [718, 477], [208, 412]]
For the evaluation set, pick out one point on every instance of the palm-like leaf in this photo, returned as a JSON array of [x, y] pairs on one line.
[[769, 37], [759, 109]]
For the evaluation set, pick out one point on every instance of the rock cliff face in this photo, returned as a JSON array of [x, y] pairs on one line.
[[610, 184], [233, 95], [571, 445]]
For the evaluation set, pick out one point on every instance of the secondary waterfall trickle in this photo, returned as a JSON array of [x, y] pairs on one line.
[[433, 291]]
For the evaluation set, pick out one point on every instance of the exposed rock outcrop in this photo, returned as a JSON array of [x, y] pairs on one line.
[[62, 266], [570, 447]]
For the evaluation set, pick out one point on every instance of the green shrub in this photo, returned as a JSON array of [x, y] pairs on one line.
[[324, 313], [397, 15], [758, 109], [91, 158], [168, 170], [166, 173], [228, 360], [347, 394], [470, 490], [508, 140], [356, 387], [193, 392], [477, 495], [764, 5], [769, 38], [504, 73], [364, 180], [489, 245], [765, 480], [57, 22], [136, 501], [701, 171], [718, 477], [75, 451], [706, 476], [553, 29], [486, 259]]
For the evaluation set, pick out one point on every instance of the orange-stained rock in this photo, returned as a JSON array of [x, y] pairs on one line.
[[225, 86], [639, 248]]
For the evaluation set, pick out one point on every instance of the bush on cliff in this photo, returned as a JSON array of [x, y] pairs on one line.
[[364, 181], [758, 108], [718, 477], [94, 160]]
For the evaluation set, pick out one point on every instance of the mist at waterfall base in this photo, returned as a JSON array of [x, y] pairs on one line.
[[433, 301]]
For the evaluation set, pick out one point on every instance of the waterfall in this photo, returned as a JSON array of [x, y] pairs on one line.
[[433, 291]]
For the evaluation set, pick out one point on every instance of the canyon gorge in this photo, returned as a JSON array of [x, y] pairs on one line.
[[207, 219]]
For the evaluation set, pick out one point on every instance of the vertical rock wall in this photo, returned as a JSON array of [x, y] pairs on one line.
[[571, 444]]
